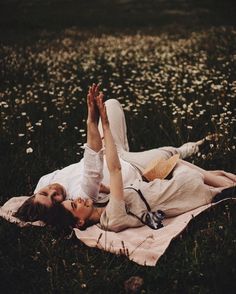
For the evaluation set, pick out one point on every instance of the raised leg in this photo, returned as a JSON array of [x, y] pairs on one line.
[[117, 122], [143, 158]]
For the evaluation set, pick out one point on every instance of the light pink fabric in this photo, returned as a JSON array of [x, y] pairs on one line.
[[11, 206], [141, 245]]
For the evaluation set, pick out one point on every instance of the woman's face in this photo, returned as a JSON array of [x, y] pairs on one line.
[[80, 208], [51, 194]]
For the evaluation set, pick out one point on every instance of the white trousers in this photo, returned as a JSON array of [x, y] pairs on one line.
[[119, 132]]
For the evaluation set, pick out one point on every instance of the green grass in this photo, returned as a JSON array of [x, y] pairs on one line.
[[201, 260], [175, 85]]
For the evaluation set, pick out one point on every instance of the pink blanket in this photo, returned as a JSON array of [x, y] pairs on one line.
[[141, 245]]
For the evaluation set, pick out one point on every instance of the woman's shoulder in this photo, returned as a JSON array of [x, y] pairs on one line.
[[112, 217], [115, 218]]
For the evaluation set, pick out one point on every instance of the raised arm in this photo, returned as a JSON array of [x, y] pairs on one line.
[[93, 136], [113, 162], [92, 175]]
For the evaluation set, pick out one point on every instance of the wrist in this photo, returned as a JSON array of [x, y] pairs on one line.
[[91, 122], [106, 126]]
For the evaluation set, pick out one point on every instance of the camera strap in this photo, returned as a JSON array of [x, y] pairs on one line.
[[149, 218]]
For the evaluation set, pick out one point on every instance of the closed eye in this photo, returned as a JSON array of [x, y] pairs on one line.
[[73, 205], [43, 193], [53, 194]]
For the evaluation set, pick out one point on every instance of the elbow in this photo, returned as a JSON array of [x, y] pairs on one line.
[[118, 168]]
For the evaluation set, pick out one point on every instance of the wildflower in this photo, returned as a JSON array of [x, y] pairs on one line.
[[54, 241], [29, 150], [49, 269], [39, 123]]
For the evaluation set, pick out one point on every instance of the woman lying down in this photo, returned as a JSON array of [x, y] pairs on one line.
[[143, 202]]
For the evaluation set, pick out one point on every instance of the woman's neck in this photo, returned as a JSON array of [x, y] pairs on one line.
[[96, 214]]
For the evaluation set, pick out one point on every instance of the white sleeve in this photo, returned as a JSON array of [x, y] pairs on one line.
[[45, 180], [92, 173]]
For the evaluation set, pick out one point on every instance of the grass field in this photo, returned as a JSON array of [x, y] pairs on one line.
[[176, 84]]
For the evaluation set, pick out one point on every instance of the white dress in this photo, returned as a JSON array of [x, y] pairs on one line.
[[183, 192]]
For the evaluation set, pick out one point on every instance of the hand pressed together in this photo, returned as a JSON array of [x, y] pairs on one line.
[[102, 109], [93, 114]]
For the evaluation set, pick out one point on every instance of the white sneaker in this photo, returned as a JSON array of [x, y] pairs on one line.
[[188, 149]]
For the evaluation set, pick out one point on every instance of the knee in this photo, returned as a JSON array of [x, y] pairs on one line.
[[113, 102]]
